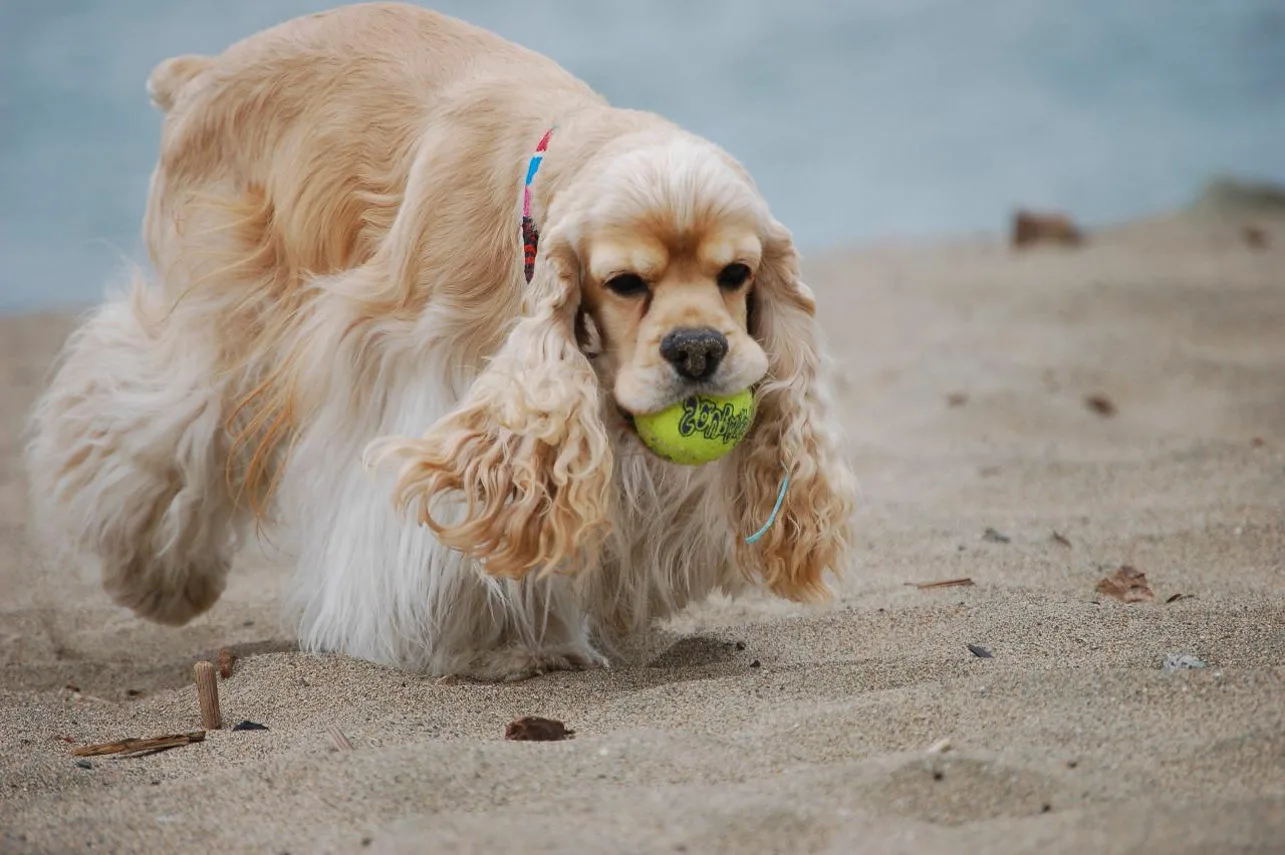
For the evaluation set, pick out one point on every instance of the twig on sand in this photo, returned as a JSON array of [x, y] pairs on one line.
[[139, 747], [337, 737], [207, 692], [944, 583]]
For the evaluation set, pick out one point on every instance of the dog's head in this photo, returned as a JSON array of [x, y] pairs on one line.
[[660, 273], [668, 238]]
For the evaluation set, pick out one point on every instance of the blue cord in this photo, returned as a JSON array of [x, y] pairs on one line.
[[785, 482]]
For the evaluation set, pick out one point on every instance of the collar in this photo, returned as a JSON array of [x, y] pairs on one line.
[[530, 235]]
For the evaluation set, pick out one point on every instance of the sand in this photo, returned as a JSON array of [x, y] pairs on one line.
[[759, 726]]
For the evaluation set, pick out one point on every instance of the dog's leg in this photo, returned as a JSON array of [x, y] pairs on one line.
[[127, 453], [371, 582], [545, 630], [378, 587]]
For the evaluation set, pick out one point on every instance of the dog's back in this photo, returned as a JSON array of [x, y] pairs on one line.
[[312, 126], [283, 159]]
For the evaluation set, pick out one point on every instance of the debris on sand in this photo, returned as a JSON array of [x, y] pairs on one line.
[[945, 583], [1030, 227], [1100, 404], [1128, 585], [533, 728], [207, 695], [139, 747], [1255, 237], [226, 660], [246, 724], [336, 735]]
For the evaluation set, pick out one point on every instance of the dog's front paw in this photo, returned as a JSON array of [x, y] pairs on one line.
[[511, 664]]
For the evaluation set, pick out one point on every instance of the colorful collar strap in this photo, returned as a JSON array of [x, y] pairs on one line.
[[531, 237]]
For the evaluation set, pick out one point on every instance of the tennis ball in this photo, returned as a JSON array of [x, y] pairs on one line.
[[698, 429]]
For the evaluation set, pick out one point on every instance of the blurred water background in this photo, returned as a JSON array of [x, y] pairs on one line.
[[862, 120]]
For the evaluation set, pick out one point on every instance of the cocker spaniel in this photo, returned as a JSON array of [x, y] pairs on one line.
[[372, 337]]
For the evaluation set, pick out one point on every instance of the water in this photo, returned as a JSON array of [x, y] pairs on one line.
[[861, 120]]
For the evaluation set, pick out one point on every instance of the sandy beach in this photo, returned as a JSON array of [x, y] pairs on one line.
[[1031, 421]]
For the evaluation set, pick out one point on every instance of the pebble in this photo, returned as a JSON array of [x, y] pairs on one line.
[[1181, 662]]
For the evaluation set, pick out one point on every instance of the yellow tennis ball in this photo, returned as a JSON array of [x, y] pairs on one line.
[[698, 429]]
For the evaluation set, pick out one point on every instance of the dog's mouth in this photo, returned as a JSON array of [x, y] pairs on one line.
[[627, 418]]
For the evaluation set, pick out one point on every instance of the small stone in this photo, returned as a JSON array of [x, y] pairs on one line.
[[1100, 404], [84, 764], [756, 664], [993, 536], [1181, 662], [981, 652], [249, 725]]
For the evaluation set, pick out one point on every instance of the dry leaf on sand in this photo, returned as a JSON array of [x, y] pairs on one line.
[[1127, 585]]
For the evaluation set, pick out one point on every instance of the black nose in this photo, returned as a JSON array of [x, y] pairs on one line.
[[695, 353]]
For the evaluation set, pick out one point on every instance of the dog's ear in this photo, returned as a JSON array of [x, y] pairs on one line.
[[519, 474], [793, 431]]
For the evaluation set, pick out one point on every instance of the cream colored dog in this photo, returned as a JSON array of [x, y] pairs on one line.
[[336, 226]]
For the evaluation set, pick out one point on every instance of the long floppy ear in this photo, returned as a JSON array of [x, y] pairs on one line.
[[793, 431], [519, 474]]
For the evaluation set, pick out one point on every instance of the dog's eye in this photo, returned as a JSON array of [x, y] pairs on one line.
[[627, 285], [733, 276]]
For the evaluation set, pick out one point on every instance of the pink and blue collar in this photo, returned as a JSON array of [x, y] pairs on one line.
[[530, 235]]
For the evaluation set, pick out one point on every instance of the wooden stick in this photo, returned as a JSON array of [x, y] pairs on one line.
[[135, 747], [945, 583], [207, 692], [337, 736]]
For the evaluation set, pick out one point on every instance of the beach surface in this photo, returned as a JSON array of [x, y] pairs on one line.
[[1030, 421]]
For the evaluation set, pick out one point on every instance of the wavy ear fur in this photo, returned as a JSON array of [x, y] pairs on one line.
[[793, 430], [519, 474]]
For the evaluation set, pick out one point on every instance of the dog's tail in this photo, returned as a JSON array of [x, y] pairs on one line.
[[167, 79]]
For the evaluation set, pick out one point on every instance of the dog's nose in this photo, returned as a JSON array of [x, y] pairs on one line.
[[695, 353]]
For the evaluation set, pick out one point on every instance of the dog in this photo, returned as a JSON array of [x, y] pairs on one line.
[[411, 285]]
